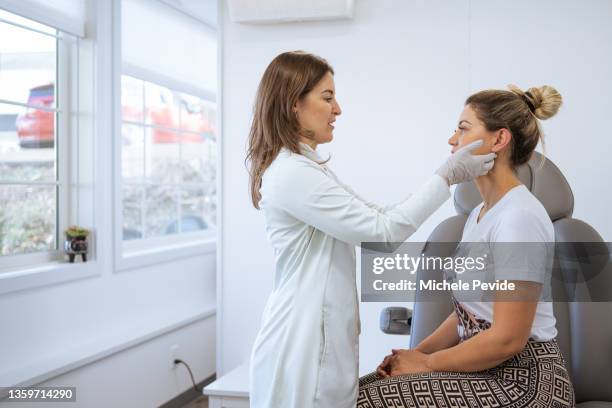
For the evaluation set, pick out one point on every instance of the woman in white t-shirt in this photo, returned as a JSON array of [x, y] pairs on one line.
[[501, 352]]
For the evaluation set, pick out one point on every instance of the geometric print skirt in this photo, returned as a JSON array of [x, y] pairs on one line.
[[536, 377]]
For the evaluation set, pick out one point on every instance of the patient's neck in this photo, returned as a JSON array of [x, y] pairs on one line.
[[496, 184]]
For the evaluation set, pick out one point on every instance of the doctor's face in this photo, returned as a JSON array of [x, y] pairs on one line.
[[470, 129], [317, 111]]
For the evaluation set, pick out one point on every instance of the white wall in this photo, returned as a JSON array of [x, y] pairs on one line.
[[142, 376], [58, 325], [403, 70]]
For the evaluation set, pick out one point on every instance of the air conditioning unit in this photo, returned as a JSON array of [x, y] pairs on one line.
[[282, 11]]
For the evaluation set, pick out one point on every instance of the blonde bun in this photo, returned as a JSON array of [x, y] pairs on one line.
[[545, 99]]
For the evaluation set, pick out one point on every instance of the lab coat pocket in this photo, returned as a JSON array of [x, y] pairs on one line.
[[322, 353]]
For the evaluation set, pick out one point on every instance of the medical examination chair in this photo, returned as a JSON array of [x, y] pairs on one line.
[[585, 327]]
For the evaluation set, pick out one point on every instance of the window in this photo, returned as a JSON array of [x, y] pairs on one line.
[[168, 161], [167, 135], [33, 127]]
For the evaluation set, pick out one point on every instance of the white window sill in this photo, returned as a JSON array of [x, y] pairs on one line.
[[167, 253], [46, 274]]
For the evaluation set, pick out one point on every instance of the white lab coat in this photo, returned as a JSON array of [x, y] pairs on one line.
[[306, 352]]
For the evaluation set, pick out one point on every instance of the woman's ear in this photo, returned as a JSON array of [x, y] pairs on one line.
[[502, 139]]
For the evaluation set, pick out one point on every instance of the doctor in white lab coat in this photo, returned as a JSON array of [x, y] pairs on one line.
[[306, 352]]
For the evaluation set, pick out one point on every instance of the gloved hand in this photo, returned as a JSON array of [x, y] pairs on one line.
[[464, 166]]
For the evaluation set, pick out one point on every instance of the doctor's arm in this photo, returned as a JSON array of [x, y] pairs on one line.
[[309, 194], [459, 167], [507, 336]]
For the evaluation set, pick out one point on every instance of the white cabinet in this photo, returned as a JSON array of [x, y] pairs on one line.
[[231, 390]]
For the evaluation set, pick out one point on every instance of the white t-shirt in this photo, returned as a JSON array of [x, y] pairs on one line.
[[519, 218]]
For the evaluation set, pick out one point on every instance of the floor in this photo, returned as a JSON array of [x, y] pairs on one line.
[[200, 402]]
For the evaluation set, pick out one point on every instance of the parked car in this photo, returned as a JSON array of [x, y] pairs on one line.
[[192, 120], [35, 128]]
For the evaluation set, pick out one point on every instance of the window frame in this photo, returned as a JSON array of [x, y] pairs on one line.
[[63, 87], [79, 54], [133, 254]]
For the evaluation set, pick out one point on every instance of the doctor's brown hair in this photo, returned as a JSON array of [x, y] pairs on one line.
[[518, 112], [288, 78]]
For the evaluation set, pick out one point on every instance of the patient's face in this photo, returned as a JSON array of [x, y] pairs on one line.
[[470, 129]]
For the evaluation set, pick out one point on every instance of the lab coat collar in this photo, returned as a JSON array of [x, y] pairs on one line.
[[309, 152]]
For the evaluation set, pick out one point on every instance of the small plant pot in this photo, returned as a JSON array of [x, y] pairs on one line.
[[76, 245]]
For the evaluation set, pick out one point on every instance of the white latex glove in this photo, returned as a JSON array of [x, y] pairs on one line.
[[464, 166]]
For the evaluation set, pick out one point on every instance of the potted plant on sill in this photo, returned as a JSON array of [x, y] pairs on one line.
[[76, 242]]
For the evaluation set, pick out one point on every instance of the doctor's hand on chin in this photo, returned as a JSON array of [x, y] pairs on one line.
[[464, 166], [402, 362]]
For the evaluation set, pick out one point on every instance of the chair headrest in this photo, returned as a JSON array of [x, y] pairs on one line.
[[540, 176]]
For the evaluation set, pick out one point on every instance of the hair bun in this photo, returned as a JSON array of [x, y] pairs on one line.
[[545, 99]]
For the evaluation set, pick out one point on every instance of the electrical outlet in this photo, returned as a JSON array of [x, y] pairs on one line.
[[174, 353]]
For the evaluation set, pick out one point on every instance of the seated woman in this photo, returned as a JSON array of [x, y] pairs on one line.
[[501, 353]]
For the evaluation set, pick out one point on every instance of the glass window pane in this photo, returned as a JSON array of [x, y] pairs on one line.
[[132, 152], [162, 160], [26, 144], [210, 112], [199, 161], [210, 205], [133, 202], [174, 163], [193, 157], [209, 168], [161, 210], [193, 217], [27, 219], [132, 99], [161, 106], [27, 66], [192, 115]]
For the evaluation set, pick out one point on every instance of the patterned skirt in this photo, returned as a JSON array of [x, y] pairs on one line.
[[536, 377]]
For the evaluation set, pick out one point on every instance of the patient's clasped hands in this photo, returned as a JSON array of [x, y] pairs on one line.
[[403, 361]]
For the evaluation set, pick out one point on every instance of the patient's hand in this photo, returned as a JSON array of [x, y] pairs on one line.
[[407, 362], [384, 368]]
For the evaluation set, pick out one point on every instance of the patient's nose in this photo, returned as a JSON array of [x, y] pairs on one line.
[[454, 141]]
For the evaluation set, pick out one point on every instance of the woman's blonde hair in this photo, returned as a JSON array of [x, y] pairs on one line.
[[288, 78], [517, 111]]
